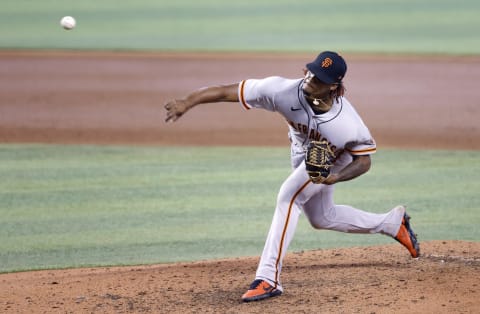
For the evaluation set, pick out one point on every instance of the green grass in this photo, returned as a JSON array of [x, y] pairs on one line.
[[394, 26], [72, 206]]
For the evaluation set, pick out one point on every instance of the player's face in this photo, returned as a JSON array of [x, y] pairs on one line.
[[314, 87]]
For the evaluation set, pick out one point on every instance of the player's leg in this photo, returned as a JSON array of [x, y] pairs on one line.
[[324, 214], [282, 229]]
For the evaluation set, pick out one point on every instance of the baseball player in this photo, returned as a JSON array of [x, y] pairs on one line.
[[314, 108]]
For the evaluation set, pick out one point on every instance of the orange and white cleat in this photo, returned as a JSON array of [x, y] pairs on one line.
[[407, 237], [259, 290]]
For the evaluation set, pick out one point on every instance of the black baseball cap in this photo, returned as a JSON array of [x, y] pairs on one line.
[[329, 67]]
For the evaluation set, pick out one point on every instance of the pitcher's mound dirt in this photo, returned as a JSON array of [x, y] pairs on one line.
[[381, 279]]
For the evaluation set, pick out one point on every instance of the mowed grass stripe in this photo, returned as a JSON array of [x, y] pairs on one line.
[[70, 206], [395, 26]]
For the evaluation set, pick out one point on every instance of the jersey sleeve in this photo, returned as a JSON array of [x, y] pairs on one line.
[[254, 93], [361, 141], [366, 148]]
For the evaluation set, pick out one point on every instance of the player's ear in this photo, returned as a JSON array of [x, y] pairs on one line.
[[333, 87]]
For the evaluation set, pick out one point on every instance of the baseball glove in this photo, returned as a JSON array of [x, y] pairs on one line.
[[318, 160]]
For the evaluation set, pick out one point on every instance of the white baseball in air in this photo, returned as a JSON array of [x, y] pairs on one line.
[[68, 22]]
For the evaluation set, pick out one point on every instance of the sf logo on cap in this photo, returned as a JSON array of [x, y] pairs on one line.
[[327, 62]]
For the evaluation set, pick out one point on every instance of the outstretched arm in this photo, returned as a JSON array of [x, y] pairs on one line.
[[177, 107]]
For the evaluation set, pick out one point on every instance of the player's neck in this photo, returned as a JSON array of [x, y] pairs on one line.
[[320, 105]]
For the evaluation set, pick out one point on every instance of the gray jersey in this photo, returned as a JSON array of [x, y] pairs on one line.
[[341, 125]]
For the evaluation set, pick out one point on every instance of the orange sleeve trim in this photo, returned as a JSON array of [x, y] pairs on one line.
[[363, 151], [242, 98]]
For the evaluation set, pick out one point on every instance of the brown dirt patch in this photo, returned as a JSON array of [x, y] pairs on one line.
[[104, 98], [382, 279], [60, 97]]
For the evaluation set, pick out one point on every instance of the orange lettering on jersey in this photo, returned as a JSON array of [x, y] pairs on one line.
[[312, 134]]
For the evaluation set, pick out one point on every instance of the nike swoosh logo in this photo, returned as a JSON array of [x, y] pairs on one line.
[[295, 109], [267, 289]]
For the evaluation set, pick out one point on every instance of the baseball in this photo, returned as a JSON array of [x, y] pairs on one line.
[[68, 22]]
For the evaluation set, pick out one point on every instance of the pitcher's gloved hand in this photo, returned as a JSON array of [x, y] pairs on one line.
[[318, 160]]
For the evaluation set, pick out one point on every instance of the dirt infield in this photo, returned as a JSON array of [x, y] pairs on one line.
[[52, 97], [105, 98]]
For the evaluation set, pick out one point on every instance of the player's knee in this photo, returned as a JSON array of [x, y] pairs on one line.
[[319, 219], [284, 198], [317, 223]]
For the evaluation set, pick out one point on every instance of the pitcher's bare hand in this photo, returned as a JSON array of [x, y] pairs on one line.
[[175, 109]]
